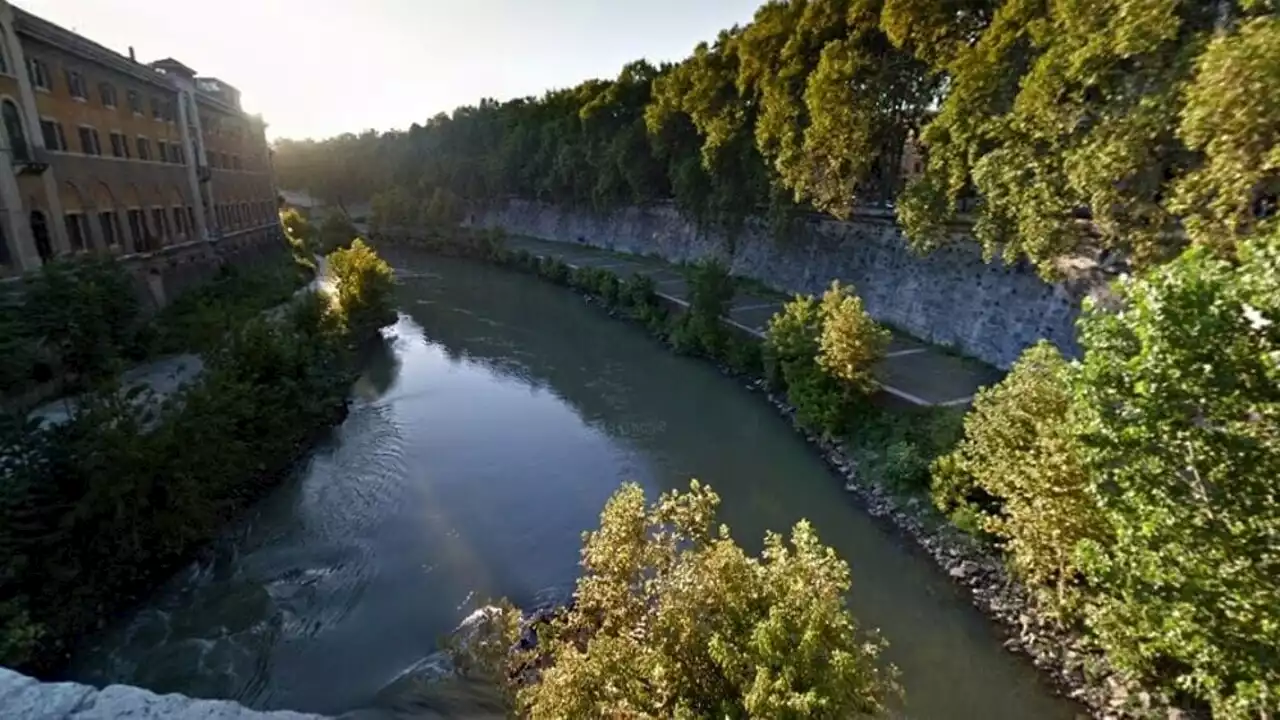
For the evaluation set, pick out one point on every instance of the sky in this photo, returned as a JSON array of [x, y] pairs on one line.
[[317, 68]]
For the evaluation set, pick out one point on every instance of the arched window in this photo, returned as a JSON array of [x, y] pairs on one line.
[[13, 127], [40, 232], [6, 257]]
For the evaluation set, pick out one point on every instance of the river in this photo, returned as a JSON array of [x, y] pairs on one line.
[[485, 435]]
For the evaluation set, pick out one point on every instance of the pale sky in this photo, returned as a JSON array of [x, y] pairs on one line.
[[316, 68]]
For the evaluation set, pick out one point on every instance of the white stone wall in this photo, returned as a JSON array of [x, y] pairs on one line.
[[22, 698], [950, 297]]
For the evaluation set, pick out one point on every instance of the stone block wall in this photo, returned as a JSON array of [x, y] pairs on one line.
[[990, 311]]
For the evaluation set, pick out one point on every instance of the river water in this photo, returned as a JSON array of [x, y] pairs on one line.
[[485, 435]]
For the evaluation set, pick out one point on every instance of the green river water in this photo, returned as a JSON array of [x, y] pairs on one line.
[[485, 435]]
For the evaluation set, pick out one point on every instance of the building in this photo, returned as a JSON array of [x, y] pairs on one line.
[[102, 153]]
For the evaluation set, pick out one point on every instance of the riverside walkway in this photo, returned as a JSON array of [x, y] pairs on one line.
[[913, 371]]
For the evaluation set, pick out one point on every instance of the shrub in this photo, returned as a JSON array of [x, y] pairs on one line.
[[850, 342], [301, 235], [86, 312], [1018, 451], [1178, 405], [672, 619], [792, 335], [700, 331], [554, 270], [364, 284], [94, 509], [336, 231]]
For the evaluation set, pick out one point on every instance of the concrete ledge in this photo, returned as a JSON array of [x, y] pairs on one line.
[[23, 698]]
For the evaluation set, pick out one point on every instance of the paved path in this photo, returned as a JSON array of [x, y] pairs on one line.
[[912, 370]]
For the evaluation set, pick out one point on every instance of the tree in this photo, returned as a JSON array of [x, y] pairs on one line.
[[851, 343], [1088, 123], [1018, 471], [1178, 405], [672, 619]]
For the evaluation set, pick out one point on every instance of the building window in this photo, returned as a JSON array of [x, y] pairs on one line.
[[167, 109], [54, 139], [6, 258], [138, 229], [110, 225], [135, 102], [107, 92], [176, 155], [144, 148], [235, 162], [162, 151], [157, 113], [78, 231], [179, 220], [191, 218], [119, 145], [17, 136], [160, 221], [39, 73], [4, 68], [76, 85], [89, 142], [40, 234]]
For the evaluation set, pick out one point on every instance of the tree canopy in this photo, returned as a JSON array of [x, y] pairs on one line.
[[1130, 126]]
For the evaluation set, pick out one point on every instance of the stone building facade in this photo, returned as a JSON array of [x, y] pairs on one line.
[[102, 153]]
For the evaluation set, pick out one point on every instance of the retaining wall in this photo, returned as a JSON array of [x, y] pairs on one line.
[[951, 297]]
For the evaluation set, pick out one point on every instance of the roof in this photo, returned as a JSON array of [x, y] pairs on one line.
[[171, 65], [57, 36]]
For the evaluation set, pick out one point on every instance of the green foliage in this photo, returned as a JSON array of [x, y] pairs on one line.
[[336, 231], [200, 319], [1178, 405], [1133, 115], [672, 619], [301, 235], [821, 353], [554, 269], [93, 510], [1136, 490], [364, 284], [792, 337], [1077, 125], [86, 312], [1018, 472], [700, 330], [851, 342]]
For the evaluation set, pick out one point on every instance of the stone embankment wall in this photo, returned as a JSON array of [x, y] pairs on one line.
[[22, 698], [951, 297]]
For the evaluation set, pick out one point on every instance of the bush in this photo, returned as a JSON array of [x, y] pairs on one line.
[[700, 330], [86, 313], [792, 336], [851, 342], [822, 353], [1018, 471], [364, 284], [301, 235], [1178, 413], [336, 231], [95, 509], [672, 619]]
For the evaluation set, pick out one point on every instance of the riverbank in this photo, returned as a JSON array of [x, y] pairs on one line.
[[98, 508], [1077, 670]]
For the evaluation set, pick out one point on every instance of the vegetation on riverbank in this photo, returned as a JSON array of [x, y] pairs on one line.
[[95, 510], [1136, 489], [1131, 492], [1060, 128], [670, 618]]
